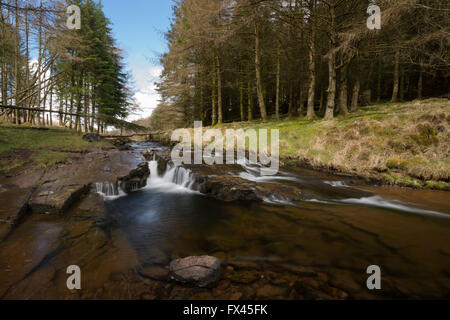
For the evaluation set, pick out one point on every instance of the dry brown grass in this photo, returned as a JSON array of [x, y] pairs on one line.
[[403, 143]]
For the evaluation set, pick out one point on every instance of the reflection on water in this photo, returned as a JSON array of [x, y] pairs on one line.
[[340, 230]]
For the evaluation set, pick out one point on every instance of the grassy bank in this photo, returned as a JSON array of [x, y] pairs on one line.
[[403, 144], [42, 147]]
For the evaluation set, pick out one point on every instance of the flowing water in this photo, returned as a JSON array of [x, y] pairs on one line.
[[338, 229]]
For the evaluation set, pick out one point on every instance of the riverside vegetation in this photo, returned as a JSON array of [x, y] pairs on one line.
[[405, 144], [347, 99]]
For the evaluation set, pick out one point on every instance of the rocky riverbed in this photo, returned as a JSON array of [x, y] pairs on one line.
[[288, 237], [35, 256], [55, 219]]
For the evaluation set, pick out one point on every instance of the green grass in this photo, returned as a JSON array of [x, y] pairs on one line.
[[16, 137], [49, 158], [7, 166], [21, 145]]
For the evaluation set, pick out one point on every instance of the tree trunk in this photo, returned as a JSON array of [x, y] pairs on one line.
[[259, 87], [277, 103], [93, 90], [79, 102], [402, 84], [44, 104], [51, 106], [201, 102], [301, 105], [66, 109], [322, 100], [86, 106], [250, 100], [71, 105], [396, 76], [355, 96], [380, 71], [291, 100], [4, 88], [16, 64], [331, 99], [3, 70], [312, 66], [213, 98], [219, 92], [329, 112], [420, 83], [40, 54], [27, 64], [61, 108], [241, 101], [343, 95], [407, 86]]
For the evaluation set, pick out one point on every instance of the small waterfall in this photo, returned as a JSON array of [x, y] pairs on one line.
[[134, 186], [153, 165], [169, 175], [173, 176], [107, 189], [183, 177]]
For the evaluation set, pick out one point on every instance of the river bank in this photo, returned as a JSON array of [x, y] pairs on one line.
[[46, 171], [402, 144]]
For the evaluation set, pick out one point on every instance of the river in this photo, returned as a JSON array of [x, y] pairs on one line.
[[339, 229], [318, 247]]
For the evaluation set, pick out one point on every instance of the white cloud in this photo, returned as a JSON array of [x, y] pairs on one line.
[[146, 95]]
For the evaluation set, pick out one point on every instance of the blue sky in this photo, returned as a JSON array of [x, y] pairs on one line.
[[139, 26]]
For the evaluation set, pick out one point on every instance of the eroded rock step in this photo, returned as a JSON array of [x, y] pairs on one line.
[[223, 182], [65, 184]]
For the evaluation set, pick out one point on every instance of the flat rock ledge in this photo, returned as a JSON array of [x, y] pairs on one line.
[[56, 200], [65, 184], [203, 271]]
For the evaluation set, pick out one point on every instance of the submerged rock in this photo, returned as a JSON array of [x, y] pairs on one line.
[[271, 292], [155, 273], [201, 271], [243, 277]]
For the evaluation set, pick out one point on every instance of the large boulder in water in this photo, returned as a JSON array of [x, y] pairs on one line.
[[201, 271]]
